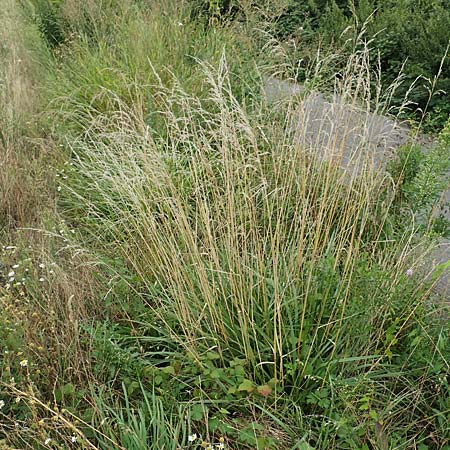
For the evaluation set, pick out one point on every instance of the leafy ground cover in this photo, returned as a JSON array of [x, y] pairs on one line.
[[177, 272]]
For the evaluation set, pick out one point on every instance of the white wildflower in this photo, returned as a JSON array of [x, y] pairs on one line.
[[192, 437]]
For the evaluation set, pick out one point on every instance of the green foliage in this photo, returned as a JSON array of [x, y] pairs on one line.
[[214, 11], [421, 177], [148, 424], [133, 63], [46, 14]]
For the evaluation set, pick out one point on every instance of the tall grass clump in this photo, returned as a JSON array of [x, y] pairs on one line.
[[250, 250]]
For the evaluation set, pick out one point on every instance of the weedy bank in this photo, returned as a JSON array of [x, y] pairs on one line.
[[203, 279]]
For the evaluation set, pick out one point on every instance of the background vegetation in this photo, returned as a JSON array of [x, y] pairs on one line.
[[407, 37], [177, 270]]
